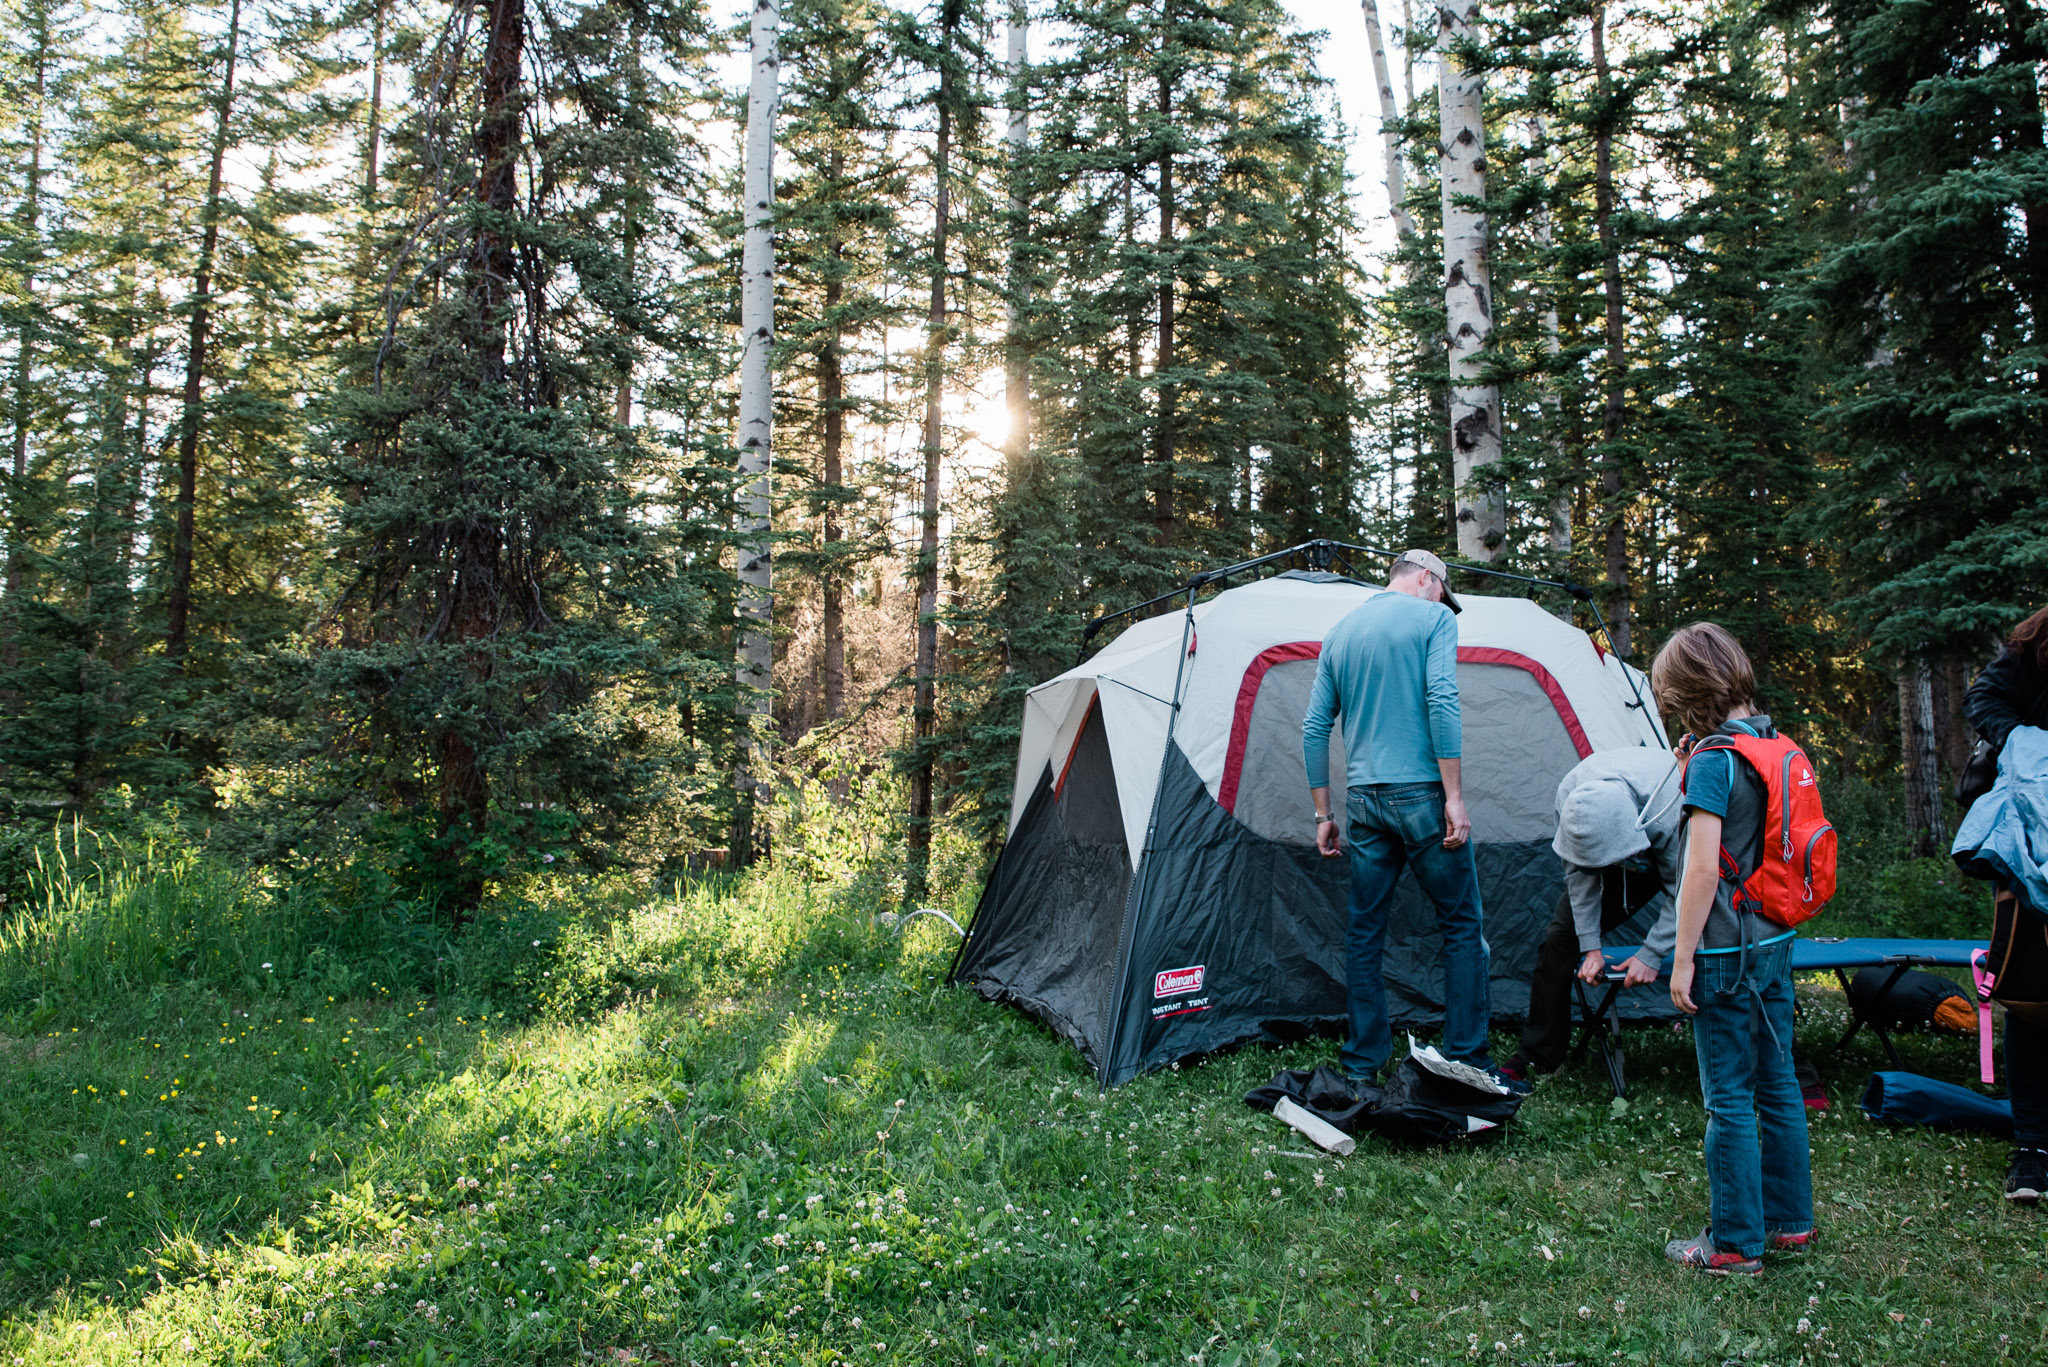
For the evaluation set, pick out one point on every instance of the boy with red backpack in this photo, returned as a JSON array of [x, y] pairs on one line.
[[1759, 860]]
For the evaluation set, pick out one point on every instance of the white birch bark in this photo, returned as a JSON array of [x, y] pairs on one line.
[[1390, 113], [1016, 140], [757, 395], [1468, 287]]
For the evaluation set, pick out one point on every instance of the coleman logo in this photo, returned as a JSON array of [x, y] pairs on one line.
[[1174, 981]]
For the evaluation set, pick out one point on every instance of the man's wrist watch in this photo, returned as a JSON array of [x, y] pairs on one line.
[[1321, 817]]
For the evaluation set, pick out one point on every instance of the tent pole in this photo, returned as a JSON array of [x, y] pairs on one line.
[[1134, 899], [1318, 552]]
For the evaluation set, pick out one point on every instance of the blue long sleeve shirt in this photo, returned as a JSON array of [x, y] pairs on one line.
[[1390, 669]]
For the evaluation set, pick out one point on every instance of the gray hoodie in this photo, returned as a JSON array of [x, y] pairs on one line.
[[1613, 806]]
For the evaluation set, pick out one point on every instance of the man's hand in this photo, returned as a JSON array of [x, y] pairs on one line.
[[1592, 966], [1638, 973], [1328, 842], [1681, 987], [1457, 825]]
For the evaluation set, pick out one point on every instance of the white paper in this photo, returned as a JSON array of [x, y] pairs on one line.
[[1476, 1078]]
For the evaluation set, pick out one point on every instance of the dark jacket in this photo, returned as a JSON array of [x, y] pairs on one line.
[[2010, 692]]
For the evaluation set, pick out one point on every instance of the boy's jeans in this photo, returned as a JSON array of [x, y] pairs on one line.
[[1747, 1083], [1393, 825]]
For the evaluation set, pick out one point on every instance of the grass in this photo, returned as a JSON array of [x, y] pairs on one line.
[[748, 1124]]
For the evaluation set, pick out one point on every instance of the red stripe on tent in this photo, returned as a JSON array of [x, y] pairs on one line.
[[1241, 720], [1075, 748], [1545, 680], [1255, 675]]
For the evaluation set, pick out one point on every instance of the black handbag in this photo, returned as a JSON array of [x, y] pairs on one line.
[[1980, 770]]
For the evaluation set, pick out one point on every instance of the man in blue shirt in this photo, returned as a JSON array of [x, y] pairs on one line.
[[1389, 669]]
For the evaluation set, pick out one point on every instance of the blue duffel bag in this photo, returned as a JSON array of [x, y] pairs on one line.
[[1909, 1099]]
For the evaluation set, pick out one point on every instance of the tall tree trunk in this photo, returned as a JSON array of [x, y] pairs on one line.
[[756, 427], [1468, 288], [1390, 137], [1920, 756], [1553, 401], [924, 695], [373, 135], [1016, 143], [629, 227], [38, 24], [1163, 360], [1614, 367], [179, 609], [473, 614], [832, 406]]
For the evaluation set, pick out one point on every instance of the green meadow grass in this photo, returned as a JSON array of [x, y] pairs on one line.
[[749, 1124]]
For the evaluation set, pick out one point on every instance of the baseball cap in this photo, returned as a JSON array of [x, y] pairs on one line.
[[1430, 561]]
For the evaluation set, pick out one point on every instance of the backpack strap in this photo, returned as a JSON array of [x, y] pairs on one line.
[[1731, 872]]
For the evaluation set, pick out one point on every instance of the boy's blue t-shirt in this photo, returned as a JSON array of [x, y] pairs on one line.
[[1722, 783]]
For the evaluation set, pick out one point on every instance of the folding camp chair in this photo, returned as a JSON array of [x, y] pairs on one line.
[[1601, 1024]]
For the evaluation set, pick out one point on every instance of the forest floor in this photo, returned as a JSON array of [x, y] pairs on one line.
[[787, 1141]]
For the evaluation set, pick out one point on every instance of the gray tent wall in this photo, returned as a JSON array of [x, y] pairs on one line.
[[1107, 959]]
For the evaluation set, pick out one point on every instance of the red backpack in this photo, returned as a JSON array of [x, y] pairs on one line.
[[1795, 873]]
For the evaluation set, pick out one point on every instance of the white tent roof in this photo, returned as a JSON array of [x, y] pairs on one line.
[[1133, 679]]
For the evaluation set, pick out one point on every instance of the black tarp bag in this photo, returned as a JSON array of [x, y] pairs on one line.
[[1323, 1090], [1422, 1107], [1416, 1106]]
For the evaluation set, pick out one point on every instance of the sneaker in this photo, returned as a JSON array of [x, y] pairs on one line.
[[1700, 1252], [2026, 1180], [1789, 1241]]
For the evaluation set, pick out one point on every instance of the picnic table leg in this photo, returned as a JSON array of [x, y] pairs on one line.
[[1855, 1017]]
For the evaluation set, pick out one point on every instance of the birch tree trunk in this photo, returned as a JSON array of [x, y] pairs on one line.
[[178, 608], [1016, 141], [756, 420], [925, 684], [1390, 139], [1468, 287]]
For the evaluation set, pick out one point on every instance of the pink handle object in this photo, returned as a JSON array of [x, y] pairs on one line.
[[1985, 982]]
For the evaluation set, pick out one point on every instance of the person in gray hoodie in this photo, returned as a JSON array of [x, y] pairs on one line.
[[1619, 819]]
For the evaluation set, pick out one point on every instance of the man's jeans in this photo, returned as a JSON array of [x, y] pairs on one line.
[[1743, 1035], [1392, 826]]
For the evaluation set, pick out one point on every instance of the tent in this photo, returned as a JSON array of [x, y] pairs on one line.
[[1160, 895]]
